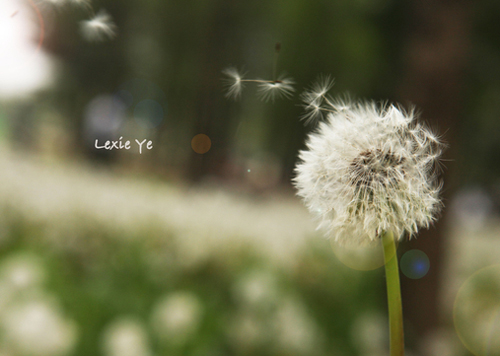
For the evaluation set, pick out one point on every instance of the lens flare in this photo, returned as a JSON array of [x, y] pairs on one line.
[[361, 258], [201, 143], [476, 313], [414, 264]]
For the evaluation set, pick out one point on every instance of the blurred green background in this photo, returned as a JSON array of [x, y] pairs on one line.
[[173, 252]]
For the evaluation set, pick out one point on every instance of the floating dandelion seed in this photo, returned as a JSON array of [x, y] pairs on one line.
[[98, 28], [368, 169], [234, 82], [267, 89], [281, 88]]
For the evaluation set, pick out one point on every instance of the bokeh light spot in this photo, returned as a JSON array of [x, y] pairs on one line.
[[476, 313], [361, 258], [148, 113], [414, 264], [201, 143]]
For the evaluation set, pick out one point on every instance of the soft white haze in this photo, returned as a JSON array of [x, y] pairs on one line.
[[23, 67]]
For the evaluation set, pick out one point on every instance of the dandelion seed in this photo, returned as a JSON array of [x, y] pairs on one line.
[[234, 82], [314, 99], [98, 28], [267, 89], [369, 168], [281, 88], [321, 88]]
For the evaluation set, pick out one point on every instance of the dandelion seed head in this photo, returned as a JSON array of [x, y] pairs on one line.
[[98, 28], [234, 82], [281, 88], [370, 168]]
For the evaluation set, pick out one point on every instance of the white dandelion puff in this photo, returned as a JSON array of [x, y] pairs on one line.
[[98, 28], [369, 168], [280, 88], [234, 82]]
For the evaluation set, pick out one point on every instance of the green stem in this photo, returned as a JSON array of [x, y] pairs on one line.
[[277, 50], [393, 295]]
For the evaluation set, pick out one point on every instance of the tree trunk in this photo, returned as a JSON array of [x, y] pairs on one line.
[[434, 60]]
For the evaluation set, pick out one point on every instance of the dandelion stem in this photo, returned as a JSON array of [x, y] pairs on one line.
[[277, 49], [393, 295], [327, 100], [258, 81]]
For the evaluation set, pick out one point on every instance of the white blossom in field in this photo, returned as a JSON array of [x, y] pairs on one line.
[[126, 337], [295, 330], [177, 317], [22, 271], [98, 28], [257, 289], [36, 328], [247, 330], [367, 169]]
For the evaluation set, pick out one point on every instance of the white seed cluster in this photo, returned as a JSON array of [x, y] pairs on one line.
[[369, 168]]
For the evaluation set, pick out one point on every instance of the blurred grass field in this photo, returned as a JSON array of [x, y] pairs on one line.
[[95, 263]]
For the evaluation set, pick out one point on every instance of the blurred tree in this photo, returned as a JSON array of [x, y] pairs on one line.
[[435, 59]]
